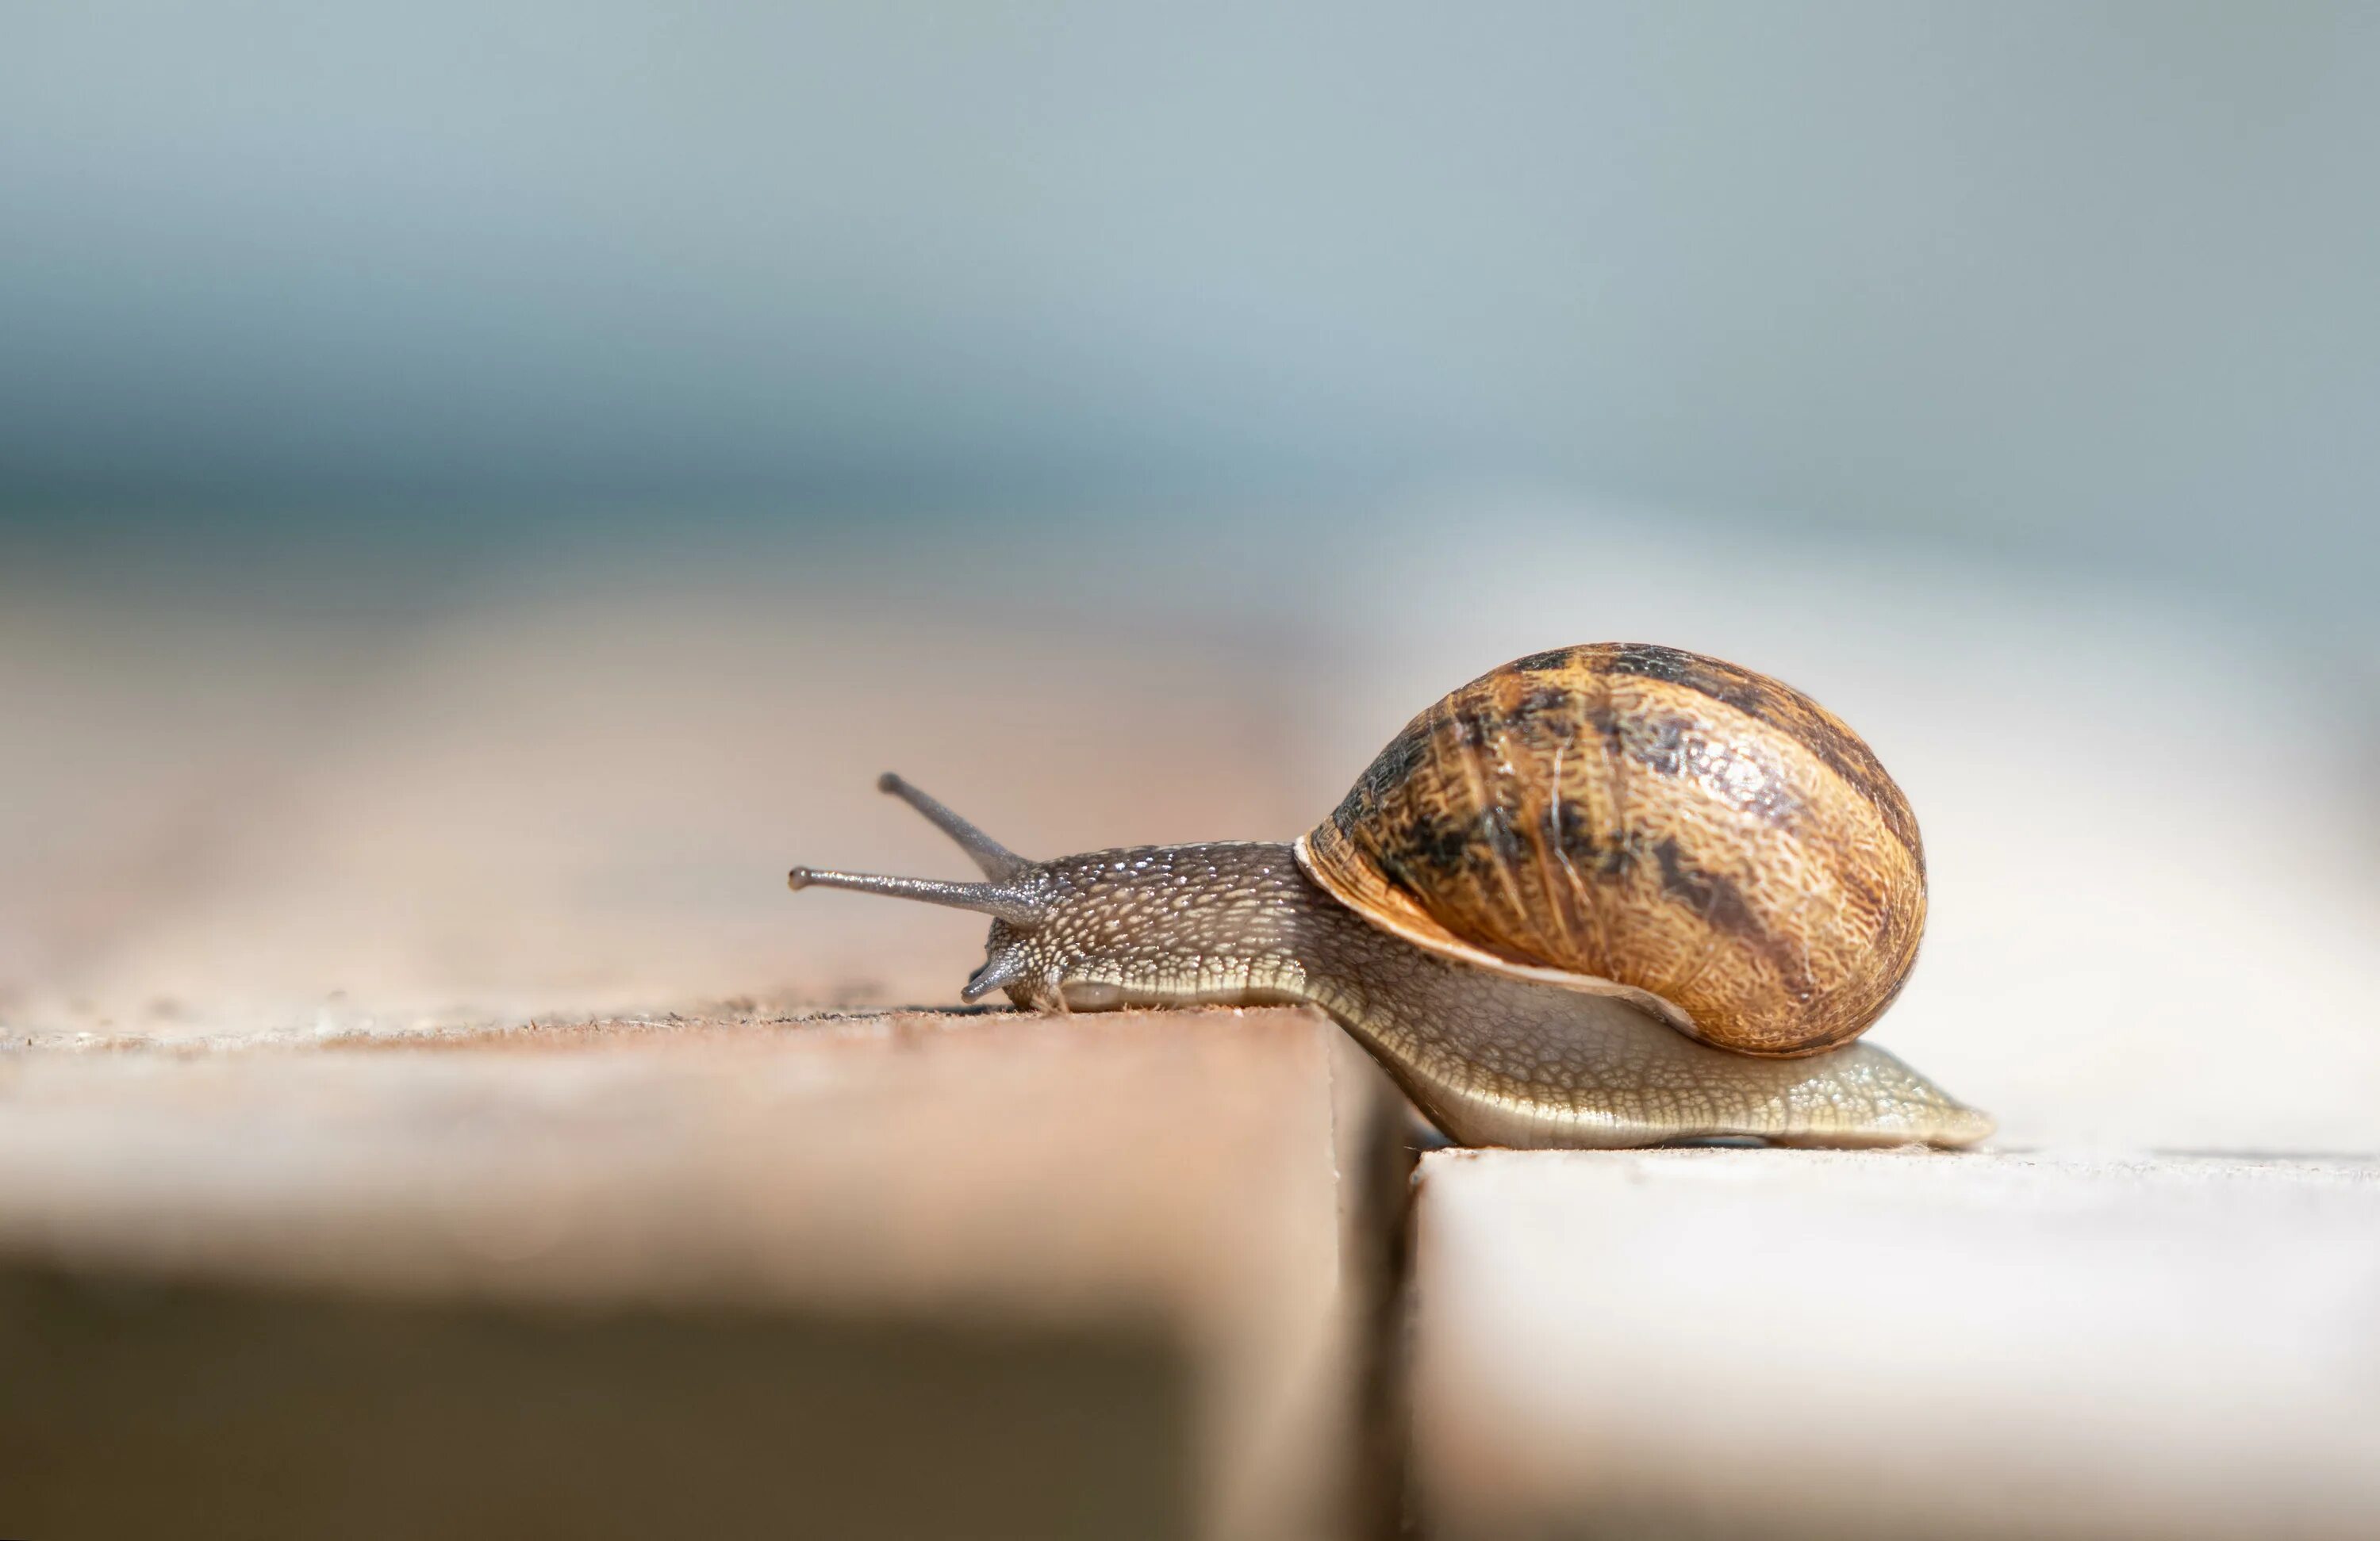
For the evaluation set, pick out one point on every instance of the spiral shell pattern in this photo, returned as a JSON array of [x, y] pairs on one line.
[[1649, 822]]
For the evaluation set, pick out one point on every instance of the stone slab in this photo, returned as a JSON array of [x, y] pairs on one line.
[[1727, 1342], [1176, 1213]]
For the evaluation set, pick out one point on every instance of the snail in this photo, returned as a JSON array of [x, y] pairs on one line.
[[1602, 896]]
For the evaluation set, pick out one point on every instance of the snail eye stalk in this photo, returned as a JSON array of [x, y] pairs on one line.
[[999, 863], [1007, 896], [1013, 904]]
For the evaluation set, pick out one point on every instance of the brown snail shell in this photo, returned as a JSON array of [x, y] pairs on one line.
[[1648, 823]]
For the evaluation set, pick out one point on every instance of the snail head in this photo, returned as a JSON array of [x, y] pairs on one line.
[[1015, 893]]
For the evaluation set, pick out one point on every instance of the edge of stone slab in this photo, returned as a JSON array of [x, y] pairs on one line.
[[731, 1021]]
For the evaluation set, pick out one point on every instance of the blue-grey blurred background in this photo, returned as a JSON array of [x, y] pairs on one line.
[[484, 486], [2082, 283]]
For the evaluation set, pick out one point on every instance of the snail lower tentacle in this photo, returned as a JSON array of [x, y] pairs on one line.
[[1492, 1059]]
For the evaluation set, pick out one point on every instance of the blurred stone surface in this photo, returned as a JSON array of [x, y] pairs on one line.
[[1788, 1343], [902, 1274]]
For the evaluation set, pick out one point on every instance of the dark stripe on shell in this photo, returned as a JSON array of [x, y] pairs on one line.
[[1715, 897], [1606, 859], [1712, 895], [1395, 764], [1778, 705]]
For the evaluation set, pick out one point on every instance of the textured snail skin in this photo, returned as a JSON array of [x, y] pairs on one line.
[[1492, 1059], [1699, 838]]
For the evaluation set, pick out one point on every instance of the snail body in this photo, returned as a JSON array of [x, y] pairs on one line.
[[1604, 896]]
